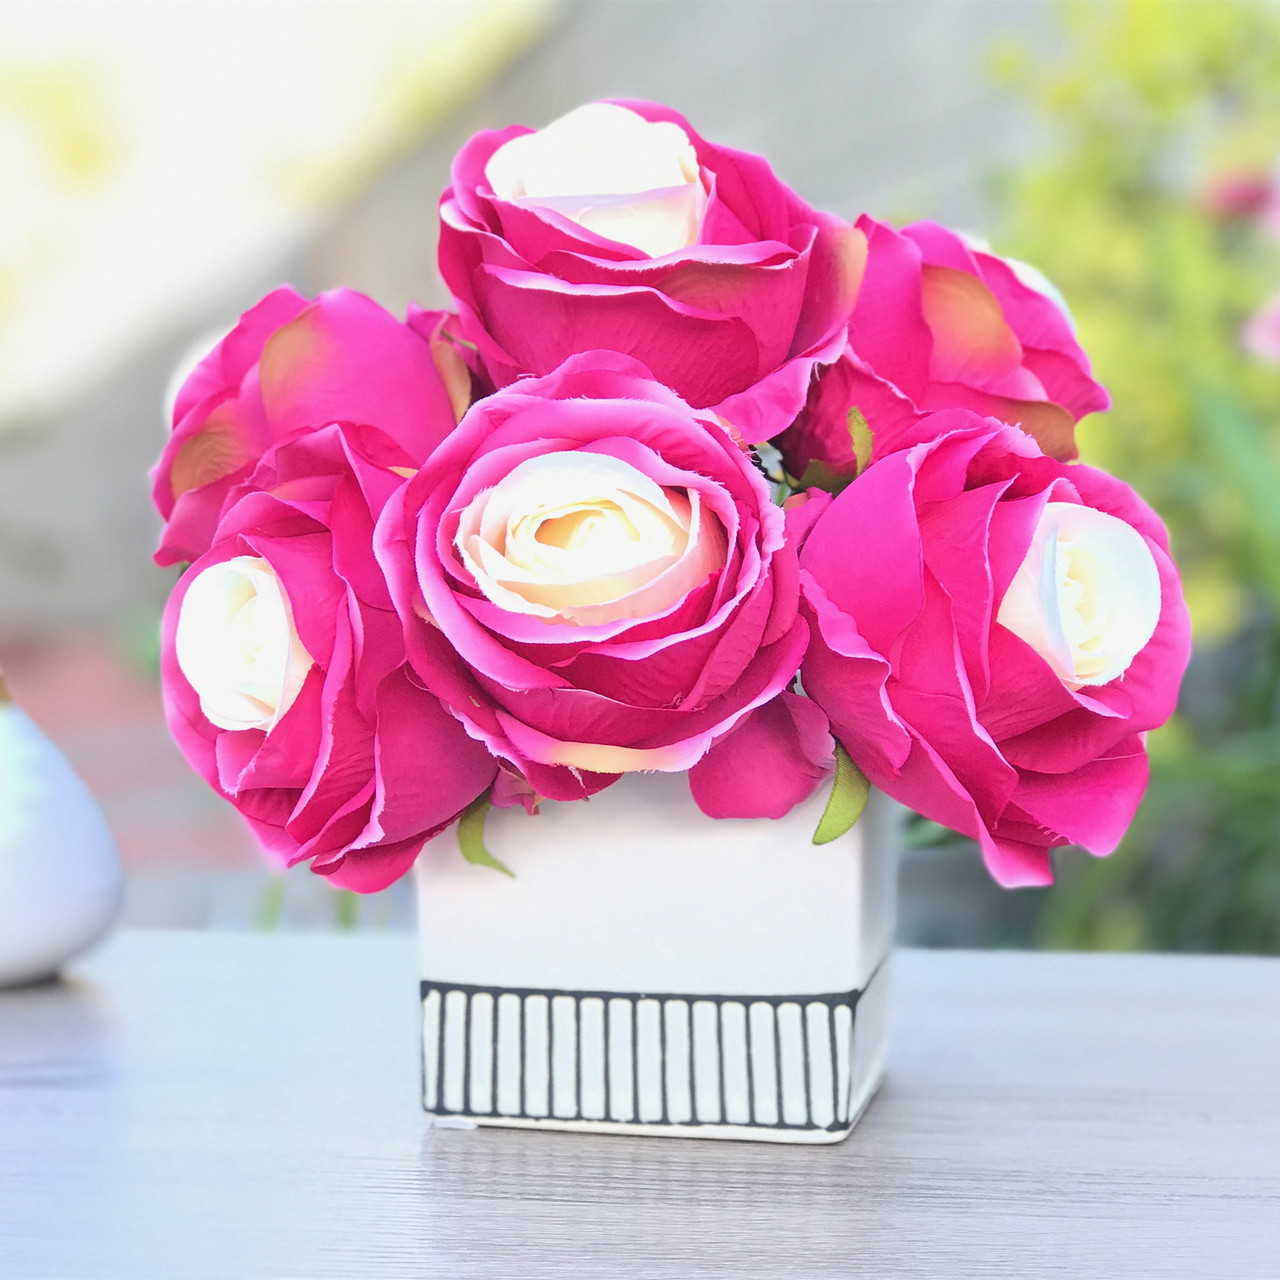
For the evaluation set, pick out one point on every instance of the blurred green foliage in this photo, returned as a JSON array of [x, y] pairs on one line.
[[1149, 103]]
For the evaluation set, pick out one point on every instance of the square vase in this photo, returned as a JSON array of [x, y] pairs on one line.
[[650, 970]]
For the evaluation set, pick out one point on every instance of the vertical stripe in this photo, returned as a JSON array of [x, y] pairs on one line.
[[592, 1060], [432, 1029], [766, 1093], [453, 1070], [678, 1061], [651, 1100], [705, 1063], [792, 1072], [509, 1058], [822, 1076], [565, 1102], [481, 1056], [621, 1059], [537, 1058], [737, 1063], [843, 1025]]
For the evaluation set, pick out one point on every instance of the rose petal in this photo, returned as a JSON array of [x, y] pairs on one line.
[[771, 761]]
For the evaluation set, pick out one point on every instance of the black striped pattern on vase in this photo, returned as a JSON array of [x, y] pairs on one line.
[[600, 1057]]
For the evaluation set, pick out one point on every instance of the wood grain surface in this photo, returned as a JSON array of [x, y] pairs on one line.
[[226, 1105]]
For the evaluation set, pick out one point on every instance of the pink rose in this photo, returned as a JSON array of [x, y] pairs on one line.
[[293, 365], [938, 325], [618, 227], [592, 577], [284, 670], [993, 632]]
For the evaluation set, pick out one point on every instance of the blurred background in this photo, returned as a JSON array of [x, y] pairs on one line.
[[162, 165]]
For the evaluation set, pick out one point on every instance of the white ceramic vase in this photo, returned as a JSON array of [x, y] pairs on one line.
[[61, 882], [649, 970]]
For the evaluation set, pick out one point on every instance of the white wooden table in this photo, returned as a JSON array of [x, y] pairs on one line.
[[227, 1105]]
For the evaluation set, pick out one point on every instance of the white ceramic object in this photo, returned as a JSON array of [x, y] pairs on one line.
[[651, 970], [61, 882]]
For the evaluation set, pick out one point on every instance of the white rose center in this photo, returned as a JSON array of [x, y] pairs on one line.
[[584, 538], [237, 645], [1086, 597], [611, 171]]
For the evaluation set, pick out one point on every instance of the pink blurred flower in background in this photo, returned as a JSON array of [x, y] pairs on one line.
[[1239, 195], [618, 227], [593, 577], [284, 670], [1261, 333], [992, 634], [1252, 197], [940, 324], [291, 365]]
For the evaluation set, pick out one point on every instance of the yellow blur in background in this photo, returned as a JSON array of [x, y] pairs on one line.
[[149, 153]]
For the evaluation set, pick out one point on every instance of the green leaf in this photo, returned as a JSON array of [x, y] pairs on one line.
[[346, 909], [860, 435], [270, 905], [471, 836], [848, 798], [817, 475]]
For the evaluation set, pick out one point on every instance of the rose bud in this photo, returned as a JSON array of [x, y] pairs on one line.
[[592, 577], [292, 365], [284, 671], [940, 324], [993, 633], [618, 227]]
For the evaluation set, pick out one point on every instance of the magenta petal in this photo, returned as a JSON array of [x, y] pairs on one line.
[[772, 403], [511, 789], [887, 328], [1026, 694], [227, 364], [1053, 352], [317, 369], [190, 528], [887, 591], [802, 512], [559, 782], [955, 536], [428, 768], [537, 320], [1093, 805], [1017, 864], [283, 758], [767, 764], [372, 870], [844, 675]]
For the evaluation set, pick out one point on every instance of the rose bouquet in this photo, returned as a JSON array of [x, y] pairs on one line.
[[697, 480], [522, 550]]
